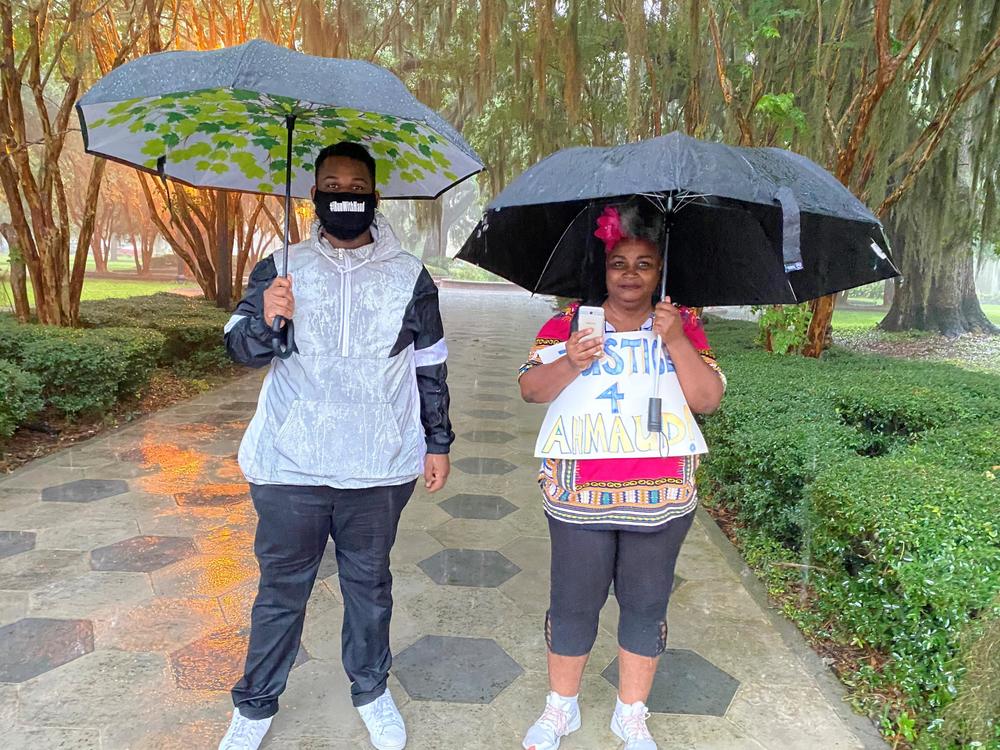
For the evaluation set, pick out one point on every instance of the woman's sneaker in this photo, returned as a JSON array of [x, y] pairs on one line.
[[560, 717], [244, 733], [385, 724], [629, 724]]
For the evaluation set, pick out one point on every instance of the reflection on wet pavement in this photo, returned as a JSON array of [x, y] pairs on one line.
[[127, 577]]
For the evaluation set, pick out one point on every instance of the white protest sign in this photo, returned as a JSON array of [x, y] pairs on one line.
[[603, 412]]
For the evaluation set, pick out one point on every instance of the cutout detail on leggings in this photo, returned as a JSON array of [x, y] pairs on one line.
[[662, 645]]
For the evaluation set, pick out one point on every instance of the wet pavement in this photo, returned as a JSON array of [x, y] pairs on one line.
[[127, 576]]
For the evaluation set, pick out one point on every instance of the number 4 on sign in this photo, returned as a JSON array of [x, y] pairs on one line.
[[614, 396]]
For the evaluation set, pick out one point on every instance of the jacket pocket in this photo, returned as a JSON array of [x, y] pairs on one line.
[[340, 440]]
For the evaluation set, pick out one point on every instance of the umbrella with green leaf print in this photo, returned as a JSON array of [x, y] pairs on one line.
[[220, 119], [252, 118]]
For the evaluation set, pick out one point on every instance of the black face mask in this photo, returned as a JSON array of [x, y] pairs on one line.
[[345, 215]]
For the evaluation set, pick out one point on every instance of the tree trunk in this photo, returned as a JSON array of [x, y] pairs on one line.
[[820, 334], [952, 306], [190, 231], [430, 216], [108, 244], [136, 257], [148, 243], [889, 292], [97, 250], [433, 246], [18, 275]]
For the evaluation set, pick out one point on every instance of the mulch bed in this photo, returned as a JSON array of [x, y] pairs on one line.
[[972, 351]]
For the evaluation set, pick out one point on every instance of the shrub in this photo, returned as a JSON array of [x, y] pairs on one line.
[[190, 326], [914, 553], [882, 472], [20, 397], [973, 719], [82, 371]]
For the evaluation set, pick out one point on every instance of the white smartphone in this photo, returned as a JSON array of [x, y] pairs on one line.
[[591, 318]]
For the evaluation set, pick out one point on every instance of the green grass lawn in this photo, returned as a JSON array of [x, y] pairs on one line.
[[854, 320], [120, 288], [97, 289], [124, 264]]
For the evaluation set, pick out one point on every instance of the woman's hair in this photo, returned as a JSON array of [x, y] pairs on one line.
[[641, 225]]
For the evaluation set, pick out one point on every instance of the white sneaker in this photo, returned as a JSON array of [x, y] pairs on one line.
[[560, 718], [629, 723], [385, 725], [244, 733]]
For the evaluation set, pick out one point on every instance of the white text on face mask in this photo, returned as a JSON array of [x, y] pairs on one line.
[[356, 207]]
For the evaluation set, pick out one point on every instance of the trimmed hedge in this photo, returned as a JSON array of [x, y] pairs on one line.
[[191, 327], [82, 372], [86, 371], [20, 397], [882, 476]]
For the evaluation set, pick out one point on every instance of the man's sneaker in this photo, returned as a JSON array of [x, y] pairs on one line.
[[244, 733], [560, 717], [385, 726], [629, 723]]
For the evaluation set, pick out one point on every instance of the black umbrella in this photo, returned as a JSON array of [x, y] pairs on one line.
[[742, 226], [746, 226]]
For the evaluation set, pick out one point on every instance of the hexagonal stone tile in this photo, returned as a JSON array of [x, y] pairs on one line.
[[484, 465], [33, 646], [487, 507], [85, 490], [142, 553], [216, 661], [15, 542], [469, 567], [686, 683], [457, 670], [487, 436], [489, 413]]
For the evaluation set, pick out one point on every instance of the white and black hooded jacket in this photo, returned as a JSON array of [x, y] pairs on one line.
[[364, 396]]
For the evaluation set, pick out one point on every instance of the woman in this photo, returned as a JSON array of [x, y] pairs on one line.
[[618, 520]]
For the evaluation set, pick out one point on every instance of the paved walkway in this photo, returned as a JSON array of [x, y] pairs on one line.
[[127, 576]]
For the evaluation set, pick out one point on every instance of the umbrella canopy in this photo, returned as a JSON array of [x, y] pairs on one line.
[[746, 225], [219, 119]]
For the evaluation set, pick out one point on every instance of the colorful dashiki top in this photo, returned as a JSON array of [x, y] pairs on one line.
[[614, 493]]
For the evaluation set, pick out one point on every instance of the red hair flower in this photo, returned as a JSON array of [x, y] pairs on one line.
[[609, 228]]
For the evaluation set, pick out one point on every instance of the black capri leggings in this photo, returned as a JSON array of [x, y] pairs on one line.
[[584, 563]]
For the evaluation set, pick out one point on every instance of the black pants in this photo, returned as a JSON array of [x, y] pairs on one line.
[[293, 525], [586, 561]]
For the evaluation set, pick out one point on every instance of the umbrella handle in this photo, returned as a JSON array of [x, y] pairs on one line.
[[655, 416], [282, 350]]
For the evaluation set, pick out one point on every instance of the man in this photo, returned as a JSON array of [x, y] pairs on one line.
[[343, 428]]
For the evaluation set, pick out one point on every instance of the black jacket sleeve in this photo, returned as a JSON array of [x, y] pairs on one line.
[[248, 337], [423, 328]]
